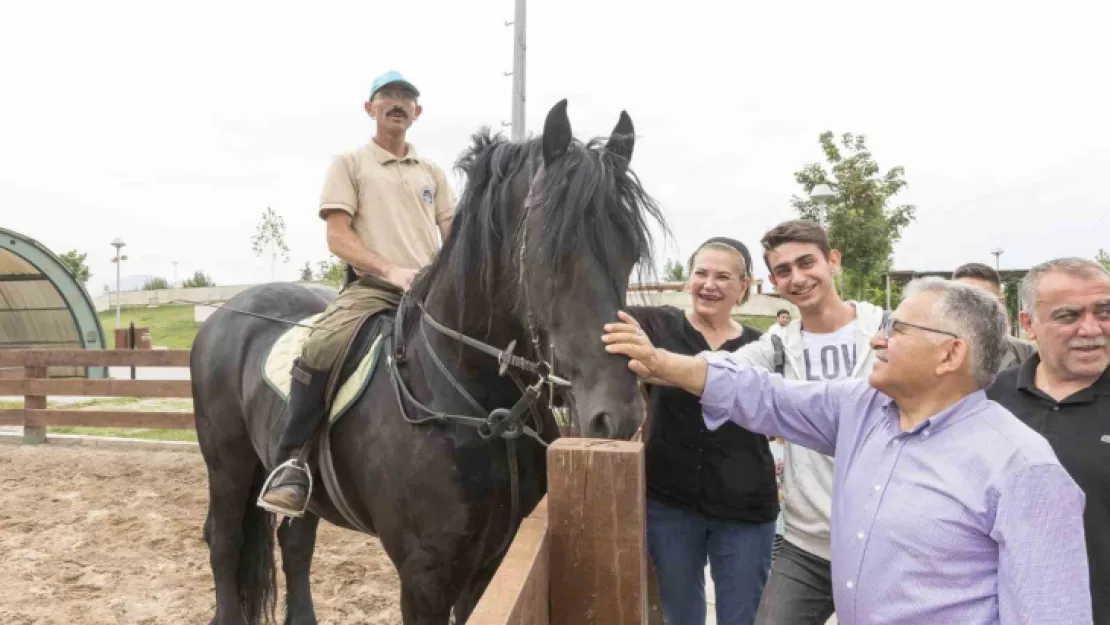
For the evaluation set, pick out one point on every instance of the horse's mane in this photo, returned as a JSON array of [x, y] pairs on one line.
[[588, 202]]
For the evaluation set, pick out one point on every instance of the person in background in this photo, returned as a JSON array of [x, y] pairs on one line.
[[782, 319], [985, 277], [1063, 391], [710, 495], [946, 508]]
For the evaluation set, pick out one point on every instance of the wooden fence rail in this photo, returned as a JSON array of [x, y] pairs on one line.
[[34, 386]]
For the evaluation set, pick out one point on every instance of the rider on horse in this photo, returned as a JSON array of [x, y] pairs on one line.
[[388, 211]]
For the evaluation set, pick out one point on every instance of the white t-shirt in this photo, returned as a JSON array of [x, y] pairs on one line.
[[830, 356]]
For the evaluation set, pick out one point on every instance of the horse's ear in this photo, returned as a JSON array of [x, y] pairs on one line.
[[623, 137], [556, 133]]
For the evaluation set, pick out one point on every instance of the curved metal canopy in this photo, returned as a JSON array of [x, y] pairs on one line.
[[41, 302]]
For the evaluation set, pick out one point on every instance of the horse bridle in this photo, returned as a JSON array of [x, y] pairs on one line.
[[505, 423], [500, 422]]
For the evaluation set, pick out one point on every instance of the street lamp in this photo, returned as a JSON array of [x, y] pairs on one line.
[[997, 252], [118, 260], [822, 194]]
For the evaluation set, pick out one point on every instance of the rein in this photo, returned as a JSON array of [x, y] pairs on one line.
[[506, 423]]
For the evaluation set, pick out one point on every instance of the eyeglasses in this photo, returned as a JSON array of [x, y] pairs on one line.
[[891, 324], [403, 95]]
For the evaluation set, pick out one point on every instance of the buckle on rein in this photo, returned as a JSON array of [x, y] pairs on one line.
[[506, 423]]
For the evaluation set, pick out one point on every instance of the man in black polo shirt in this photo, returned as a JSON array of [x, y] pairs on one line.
[[1063, 391]]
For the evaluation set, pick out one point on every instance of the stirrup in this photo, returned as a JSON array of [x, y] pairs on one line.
[[265, 505]]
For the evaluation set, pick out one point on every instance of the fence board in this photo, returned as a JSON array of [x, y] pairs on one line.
[[11, 416], [597, 532], [34, 434], [97, 418], [98, 388], [95, 357]]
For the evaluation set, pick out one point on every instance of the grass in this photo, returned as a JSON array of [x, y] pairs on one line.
[[759, 323], [170, 326], [145, 434]]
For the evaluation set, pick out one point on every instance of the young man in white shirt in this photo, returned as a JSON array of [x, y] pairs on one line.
[[830, 340]]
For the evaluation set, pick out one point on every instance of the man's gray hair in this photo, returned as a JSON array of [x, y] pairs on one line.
[[1070, 265], [974, 315]]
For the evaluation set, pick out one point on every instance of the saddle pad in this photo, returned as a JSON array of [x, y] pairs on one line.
[[278, 365]]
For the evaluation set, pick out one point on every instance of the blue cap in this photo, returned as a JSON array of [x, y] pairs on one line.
[[392, 77]]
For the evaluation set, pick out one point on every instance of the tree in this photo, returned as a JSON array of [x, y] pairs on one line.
[[860, 223], [674, 271], [75, 262], [1103, 258], [306, 272], [270, 237], [155, 283], [199, 279], [332, 271]]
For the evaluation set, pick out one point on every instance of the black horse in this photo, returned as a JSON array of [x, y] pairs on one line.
[[545, 238]]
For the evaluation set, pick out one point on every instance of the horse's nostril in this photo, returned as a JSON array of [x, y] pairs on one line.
[[602, 425]]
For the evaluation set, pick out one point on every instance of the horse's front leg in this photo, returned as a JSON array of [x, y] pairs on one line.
[[430, 584], [298, 541], [472, 593]]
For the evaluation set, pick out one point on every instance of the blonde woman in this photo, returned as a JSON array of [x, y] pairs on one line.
[[711, 496]]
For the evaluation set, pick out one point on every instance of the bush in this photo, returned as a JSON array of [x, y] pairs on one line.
[[199, 279], [154, 284]]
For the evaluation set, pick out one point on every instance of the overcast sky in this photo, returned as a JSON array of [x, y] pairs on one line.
[[174, 124]]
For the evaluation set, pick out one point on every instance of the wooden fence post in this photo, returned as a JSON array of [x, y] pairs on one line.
[[33, 432], [597, 528]]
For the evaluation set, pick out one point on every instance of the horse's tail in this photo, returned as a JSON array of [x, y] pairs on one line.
[[257, 577]]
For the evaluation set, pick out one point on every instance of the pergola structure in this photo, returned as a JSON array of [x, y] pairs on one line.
[[42, 304], [906, 275]]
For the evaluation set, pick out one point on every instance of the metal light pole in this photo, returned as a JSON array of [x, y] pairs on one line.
[[997, 252], [823, 194], [118, 260], [174, 285], [519, 48]]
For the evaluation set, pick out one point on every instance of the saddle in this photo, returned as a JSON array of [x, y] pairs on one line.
[[355, 372], [356, 369]]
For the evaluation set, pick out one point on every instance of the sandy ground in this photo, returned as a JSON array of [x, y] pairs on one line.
[[92, 536]]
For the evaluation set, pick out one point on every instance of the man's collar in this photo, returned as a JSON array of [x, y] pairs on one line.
[[1027, 373], [384, 156], [1102, 385], [1027, 379]]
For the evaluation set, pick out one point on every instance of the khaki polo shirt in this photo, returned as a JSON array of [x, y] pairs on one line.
[[398, 205]]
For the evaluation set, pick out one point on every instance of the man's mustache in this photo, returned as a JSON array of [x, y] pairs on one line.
[[397, 109]]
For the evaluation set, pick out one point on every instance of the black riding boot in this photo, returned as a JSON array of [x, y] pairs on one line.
[[287, 491]]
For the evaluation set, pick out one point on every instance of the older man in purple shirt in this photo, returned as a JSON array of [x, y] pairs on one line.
[[946, 508]]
